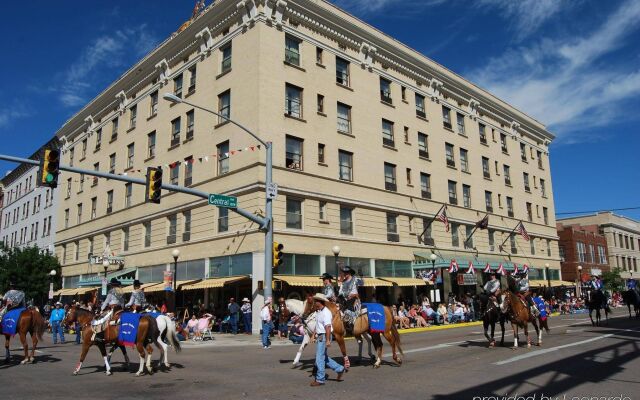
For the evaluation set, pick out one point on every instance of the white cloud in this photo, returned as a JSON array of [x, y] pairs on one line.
[[564, 82], [525, 16], [367, 7], [9, 114]]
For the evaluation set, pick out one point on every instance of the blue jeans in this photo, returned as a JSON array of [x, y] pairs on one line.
[[233, 320], [296, 339], [55, 329], [266, 330], [322, 360], [247, 322]]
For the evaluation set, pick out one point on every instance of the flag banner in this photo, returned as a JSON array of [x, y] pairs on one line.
[[453, 266], [487, 268], [525, 268], [471, 269], [442, 216], [501, 270], [483, 223], [515, 269], [522, 231]]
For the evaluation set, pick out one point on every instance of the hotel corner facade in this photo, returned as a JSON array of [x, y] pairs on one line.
[[370, 139]]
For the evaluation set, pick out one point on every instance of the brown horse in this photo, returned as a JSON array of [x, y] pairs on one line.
[[147, 334], [31, 322], [520, 317], [361, 329]]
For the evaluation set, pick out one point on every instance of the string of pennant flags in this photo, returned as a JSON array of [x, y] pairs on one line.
[[454, 267]]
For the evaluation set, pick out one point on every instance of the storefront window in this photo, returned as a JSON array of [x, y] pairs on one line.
[[71, 281], [362, 266], [299, 264], [390, 268], [152, 274], [193, 269], [239, 264], [535, 274], [554, 274]]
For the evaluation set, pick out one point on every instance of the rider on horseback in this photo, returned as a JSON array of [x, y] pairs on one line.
[[327, 287], [114, 300], [522, 284], [492, 290], [348, 296], [12, 299], [137, 301]]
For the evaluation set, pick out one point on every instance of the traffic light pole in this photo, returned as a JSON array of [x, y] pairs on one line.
[[263, 222], [268, 237]]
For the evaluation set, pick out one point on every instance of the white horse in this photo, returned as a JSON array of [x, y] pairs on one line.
[[297, 307]]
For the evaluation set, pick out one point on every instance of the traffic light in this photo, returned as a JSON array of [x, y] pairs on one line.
[[153, 185], [50, 168], [278, 256]]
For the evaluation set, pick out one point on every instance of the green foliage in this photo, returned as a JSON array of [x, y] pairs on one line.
[[613, 281], [29, 270]]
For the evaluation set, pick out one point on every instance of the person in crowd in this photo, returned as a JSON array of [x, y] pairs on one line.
[[327, 287], [420, 321], [429, 313], [246, 315], [401, 317], [163, 308], [296, 335], [55, 320], [265, 317], [203, 323], [233, 309], [348, 295], [282, 319], [323, 342], [442, 314], [182, 333], [47, 310], [14, 298], [425, 302], [137, 302], [458, 313], [192, 327]]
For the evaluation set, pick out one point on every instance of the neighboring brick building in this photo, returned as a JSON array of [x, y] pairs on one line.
[[581, 245]]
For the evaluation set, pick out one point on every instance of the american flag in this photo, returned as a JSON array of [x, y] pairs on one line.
[[442, 216], [487, 268], [453, 267], [483, 223], [471, 269], [523, 232]]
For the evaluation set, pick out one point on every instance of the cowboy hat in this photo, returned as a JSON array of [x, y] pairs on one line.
[[326, 275], [320, 297], [115, 282], [268, 300], [58, 303], [348, 270], [245, 300], [137, 283]]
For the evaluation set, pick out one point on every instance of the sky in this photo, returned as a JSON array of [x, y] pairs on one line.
[[573, 65]]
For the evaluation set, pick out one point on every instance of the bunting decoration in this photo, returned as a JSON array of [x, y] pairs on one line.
[[453, 267], [501, 270], [525, 269], [515, 269], [471, 269], [487, 268]]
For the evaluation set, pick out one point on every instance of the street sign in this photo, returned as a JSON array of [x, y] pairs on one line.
[[272, 191], [223, 201]]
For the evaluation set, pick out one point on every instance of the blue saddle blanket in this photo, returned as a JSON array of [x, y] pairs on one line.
[[154, 314], [541, 307], [375, 313], [10, 321], [129, 328]]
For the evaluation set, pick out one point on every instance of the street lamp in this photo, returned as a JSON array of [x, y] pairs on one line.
[[176, 254], [52, 275], [336, 253], [579, 282], [268, 226], [433, 257]]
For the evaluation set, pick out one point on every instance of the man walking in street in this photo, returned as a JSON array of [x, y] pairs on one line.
[[233, 308], [57, 315], [323, 341], [265, 316], [246, 315]]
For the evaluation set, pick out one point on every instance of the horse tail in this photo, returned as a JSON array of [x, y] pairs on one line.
[[38, 324], [396, 337], [172, 336]]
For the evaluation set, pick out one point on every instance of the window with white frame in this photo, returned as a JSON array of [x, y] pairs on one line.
[[293, 101]]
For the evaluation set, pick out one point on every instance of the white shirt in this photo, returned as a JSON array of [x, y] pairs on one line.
[[264, 314], [323, 319]]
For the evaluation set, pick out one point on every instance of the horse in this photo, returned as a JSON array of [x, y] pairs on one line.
[[492, 316], [596, 300], [30, 321], [520, 317], [630, 297], [361, 329], [147, 334]]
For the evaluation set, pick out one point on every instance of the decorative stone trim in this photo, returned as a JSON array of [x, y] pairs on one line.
[[206, 42], [163, 68], [249, 11], [474, 109], [436, 89], [366, 55], [122, 101]]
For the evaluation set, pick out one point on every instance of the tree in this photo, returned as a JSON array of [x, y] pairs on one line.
[[613, 281], [29, 270]]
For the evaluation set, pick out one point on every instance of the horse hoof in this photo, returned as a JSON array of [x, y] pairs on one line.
[[375, 366], [167, 365], [75, 373], [24, 362], [108, 373], [138, 373], [297, 365]]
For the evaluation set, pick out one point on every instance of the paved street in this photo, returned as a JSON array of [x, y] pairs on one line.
[[576, 360]]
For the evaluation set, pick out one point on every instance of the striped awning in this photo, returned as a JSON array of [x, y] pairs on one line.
[[66, 292], [129, 289], [214, 283], [554, 283], [159, 287], [403, 281], [375, 282], [297, 280], [86, 290]]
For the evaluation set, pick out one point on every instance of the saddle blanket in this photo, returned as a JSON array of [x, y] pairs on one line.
[[376, 317], [129, 328], [10, 321], [541, 307], [154, 314]]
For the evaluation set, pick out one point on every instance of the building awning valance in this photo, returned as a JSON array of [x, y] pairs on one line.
[[402, 281], [375, 282], [74, 291], [422, 261], [554, 283], [159, 287], [129, 289], [214, 282], [86, 290], [297, 280]]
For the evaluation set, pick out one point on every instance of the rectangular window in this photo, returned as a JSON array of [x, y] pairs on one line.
[[293, 155], [151, 144], [514, 244], [320, 104], [173, 229], [453, 192], [322, 211], [483, 133], [292, 50], [446, 117], [109, 201], [191, 121], [421, 111], [390, 177], [543, 188], [468, 244], [223, 158], [582, 252], [293, 101], [84, 149], [486, 170], [24, 209], [523, 152], [79, 214], [403, 93], [507, 175], [71, 153], [425, 185], [392, 228], [451, 161], [346, 220], [460, 122], [466, 196], [174, 175], [112, 163], [345, 160], [545, 215], [344, 118], [525, 177], [548, 248], [464, 160], [175, 132], [90, 246], [177, 86], [192, 79], [98, 139], [76, 255], [408, 176], [387, 133], [80, 189], [319, 55], [532, 245], [114, 129], [455, 236], [147, 233], [602, 254], [385, 91], [539, 154], [294, 213], [188, 171], [125, 239], [510, 206], [94, 207], [592, 254], [133, 116], [423, 145], [529, 212], [503, 143], [186, 234], [488, 201], [128, 193], [406, 135], [153, 107], [492, 240], [224, 106], [342, 72], [321, 153], [130, 155], [226, 59]]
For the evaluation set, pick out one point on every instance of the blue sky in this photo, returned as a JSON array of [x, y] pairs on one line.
[[574, 65]]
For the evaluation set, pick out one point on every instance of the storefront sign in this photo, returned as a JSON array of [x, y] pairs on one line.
[[596, 271], [168, 281], [97, 260], [467, 279]]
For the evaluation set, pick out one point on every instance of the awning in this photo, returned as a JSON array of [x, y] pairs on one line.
[[213, 283], [66, 292], [129, 288], [375, 282], [405, 281], [297, 280], [159, 287], [86, 290], [422, 261], [553, 283]]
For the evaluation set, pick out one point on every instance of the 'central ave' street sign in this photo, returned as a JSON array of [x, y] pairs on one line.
[[223, 201]]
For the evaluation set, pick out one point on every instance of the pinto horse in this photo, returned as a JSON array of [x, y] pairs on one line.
[[520, 317], [31, 322], [147, 334]]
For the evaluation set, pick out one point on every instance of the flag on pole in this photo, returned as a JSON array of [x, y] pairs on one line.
[[487, 268], [483, 223], [501, 270], [523, 232], [442, 216], [471, 269], [453, 267]]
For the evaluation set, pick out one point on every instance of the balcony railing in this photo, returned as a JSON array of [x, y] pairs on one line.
[[175, 140], [386, 97], [292, 57], [483, 139]]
